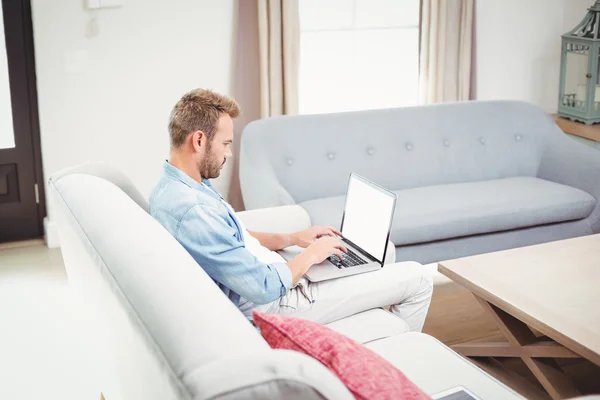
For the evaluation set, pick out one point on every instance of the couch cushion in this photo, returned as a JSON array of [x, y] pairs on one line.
[[434, 367], [367, 375], [447, 211], [370, 325]]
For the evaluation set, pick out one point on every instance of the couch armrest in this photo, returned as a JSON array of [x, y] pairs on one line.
[[284, 219], [574, 164], [258, 180], [390, 255], [274, 374]]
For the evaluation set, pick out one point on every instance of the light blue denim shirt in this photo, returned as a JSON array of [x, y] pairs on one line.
[[200, 219]]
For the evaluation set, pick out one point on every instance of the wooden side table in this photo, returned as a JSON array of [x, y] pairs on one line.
[[591, 132]]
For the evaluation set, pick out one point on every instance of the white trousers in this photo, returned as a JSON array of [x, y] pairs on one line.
[[405, 286]]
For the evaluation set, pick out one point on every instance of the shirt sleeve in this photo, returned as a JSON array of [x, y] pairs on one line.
[[211, 237]]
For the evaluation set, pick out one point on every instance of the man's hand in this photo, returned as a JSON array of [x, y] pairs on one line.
[[316, 253], [325, 247], [308, 236]]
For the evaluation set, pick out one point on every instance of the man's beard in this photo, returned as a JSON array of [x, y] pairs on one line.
[[210, 167]]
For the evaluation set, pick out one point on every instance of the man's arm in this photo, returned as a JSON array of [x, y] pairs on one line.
[[304, 238], [273, 241], [214, 244], [205, 233]]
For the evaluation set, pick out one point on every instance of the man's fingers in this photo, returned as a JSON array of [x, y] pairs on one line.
[[331, 228], [325, 232], [337, 243], [340, 245], [328, 231]]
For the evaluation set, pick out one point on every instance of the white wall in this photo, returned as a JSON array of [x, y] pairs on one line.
[[573, 12], [107, 96], [518, 46]]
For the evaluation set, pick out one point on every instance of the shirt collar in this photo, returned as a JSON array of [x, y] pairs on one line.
[[185, 178]]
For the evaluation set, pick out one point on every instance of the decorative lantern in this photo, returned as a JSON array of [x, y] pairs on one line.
[[579, 97]]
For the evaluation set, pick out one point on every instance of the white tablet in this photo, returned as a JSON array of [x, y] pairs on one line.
[[456, 393]]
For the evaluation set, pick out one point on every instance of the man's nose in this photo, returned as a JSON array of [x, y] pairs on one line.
[[228, 153]]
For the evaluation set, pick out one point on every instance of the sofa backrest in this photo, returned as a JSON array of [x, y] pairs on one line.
[[165, 330], [164, 315], [291, 159], [110, 174]]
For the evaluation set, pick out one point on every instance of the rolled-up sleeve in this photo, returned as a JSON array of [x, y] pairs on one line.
[[207, 234]]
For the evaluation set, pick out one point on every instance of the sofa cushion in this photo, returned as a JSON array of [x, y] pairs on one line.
[[434, 367], [370, 325], [447, 211], [367, 375]]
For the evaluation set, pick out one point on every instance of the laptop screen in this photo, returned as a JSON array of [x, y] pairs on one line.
[[367, 216]]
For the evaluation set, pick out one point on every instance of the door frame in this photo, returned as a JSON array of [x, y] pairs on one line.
[[32, 112]]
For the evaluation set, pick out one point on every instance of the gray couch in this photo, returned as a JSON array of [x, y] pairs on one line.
[[471, 177], [162, 329]]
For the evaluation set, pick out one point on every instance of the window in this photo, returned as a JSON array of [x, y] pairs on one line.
[[358, 54]]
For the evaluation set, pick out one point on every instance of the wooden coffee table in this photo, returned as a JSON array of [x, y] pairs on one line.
[[553, 288]]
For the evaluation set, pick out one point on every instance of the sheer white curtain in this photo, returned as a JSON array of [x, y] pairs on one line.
[[446, 50], [279, 50]]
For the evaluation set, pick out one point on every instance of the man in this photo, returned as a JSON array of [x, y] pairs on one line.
[[186, 204]]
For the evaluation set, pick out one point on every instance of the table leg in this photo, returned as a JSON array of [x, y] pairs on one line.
[[537, 354]]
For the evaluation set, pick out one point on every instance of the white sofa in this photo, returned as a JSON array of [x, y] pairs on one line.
[[166, 331]]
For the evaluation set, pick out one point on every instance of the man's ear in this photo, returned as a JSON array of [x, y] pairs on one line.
[[198, 140]]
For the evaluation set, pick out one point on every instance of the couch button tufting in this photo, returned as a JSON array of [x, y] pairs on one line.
[[518, 137], [370, 151], [409, 146], [331, 156], [447, 143], [290, 161], [482, 140]]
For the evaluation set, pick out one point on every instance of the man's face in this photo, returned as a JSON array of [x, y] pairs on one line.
[[217, 150]]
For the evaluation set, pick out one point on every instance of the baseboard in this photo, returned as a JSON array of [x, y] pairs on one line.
[[51, 234]]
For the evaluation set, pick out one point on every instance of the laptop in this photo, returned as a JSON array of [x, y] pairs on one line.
[[366, 225]]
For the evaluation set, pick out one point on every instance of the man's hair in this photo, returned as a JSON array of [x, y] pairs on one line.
[[199, 110]]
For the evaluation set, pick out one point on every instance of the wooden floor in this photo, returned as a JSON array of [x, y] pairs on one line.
[[456, 317], [22, 244]]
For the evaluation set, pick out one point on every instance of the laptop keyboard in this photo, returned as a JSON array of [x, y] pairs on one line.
[[349, 259]]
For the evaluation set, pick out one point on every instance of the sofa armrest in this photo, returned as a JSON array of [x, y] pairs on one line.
[[274, 374], [258, 180], [574, 164], [390, 255], [284, 219]]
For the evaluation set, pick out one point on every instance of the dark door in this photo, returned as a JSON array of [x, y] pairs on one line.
[[22, 204]]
